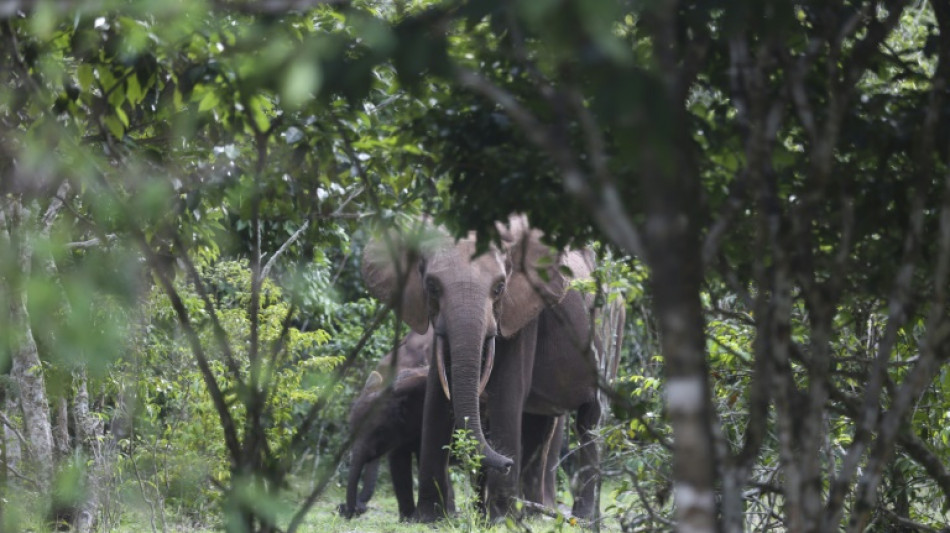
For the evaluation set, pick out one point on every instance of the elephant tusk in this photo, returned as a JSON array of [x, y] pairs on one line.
[[489, 363], [440, 363]]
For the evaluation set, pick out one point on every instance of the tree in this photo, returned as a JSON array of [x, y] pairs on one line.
[[778, 167], [26, 368], [779, 151], [183, 131]]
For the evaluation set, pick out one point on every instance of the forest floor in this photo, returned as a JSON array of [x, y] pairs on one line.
[[382, 517]]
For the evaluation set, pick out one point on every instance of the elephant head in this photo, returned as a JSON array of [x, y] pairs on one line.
[[469, 299]]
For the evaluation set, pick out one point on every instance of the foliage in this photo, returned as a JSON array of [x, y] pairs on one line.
[[465, 448], [766, 161], [184, 187], [174, 439], [191, 133]]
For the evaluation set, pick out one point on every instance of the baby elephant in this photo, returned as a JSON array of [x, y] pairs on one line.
[[388, 420]]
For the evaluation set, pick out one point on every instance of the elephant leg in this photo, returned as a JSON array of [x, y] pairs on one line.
[[434, 489], [449, 498], [536, 434], [370, 474], [587, 477], [565, 457], [501, 488], [507, 391], [400, 469]]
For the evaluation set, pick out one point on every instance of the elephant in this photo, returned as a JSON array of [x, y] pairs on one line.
[[390, 422], [386, 420], [507, 330], [541, 452]]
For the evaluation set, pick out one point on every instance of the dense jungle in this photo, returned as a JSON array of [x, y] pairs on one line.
[[640, 265]]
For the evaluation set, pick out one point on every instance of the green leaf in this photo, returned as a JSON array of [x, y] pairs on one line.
[[133, 90], [208, 102], [301, 82], [534, 11], [122, 116], [258, 113], [543, 274], [117, 97], [86, 76], [106, 79], [43, 19], [115, 127]]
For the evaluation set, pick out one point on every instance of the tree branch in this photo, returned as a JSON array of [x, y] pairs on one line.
[[606, 207], [55, 206], [91, 243], [304, 427], [274, 7], [6, 422], [220, 335], [869, 415], [933, 344], [912, 444], [217, 397], [283, 248]]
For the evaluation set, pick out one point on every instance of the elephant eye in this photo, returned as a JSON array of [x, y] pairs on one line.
[[432, 288], [498, 289]]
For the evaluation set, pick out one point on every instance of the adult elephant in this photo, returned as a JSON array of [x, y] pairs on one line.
[[506, 309], [387, 420], [541, 444]]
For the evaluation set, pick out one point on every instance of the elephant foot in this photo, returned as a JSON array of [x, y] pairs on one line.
[[427, 513], [582, 510], [423, 518], [500, 509], [406, 515], [349, 512]]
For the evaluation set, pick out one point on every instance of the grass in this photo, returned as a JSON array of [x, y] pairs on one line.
[[381, 517]]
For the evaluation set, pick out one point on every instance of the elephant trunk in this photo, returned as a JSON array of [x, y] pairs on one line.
[[466, 345]]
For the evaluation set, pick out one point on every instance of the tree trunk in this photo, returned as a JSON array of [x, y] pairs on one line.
[[88, 431], [61, 429], [28, 375], [12, 449], [27, 370], [673, 255]]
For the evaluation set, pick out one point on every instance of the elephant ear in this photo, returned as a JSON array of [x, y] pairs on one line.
[[577, 264], [391, 271], [539, 275]]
